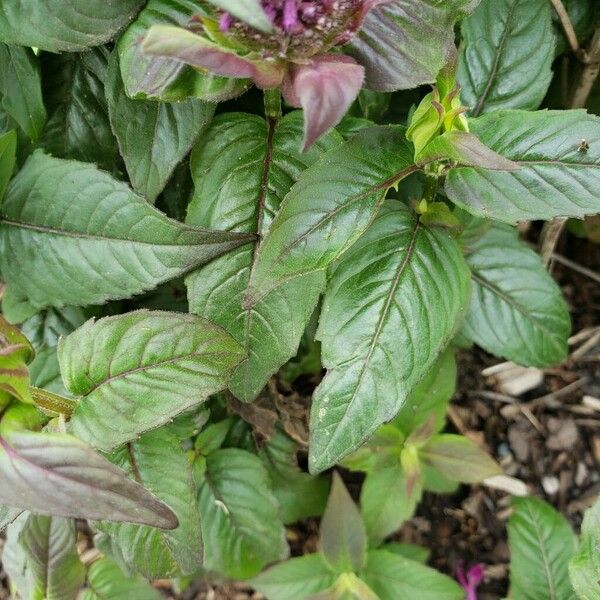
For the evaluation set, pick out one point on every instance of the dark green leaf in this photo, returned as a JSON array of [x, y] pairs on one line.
[[106, 581], [78, 126], [517, 310], [211, 438], [458, 458], [57, 474], [118, 245], [147, 76], [394, 577], [557, 177], [404, 43], [58, 26], [153, 136], [330, 206], [8, 150], [46, 327], [299, 494], [158, 462], [342, 536], [295, 579], [541, 544], [20, 87], [241, 528], [508, 49], [52, 562], [584, 568], [392, 305], [242, 170], [139, 370]]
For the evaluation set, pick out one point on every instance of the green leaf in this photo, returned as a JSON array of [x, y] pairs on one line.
[[241, 527], [498, 66], [58, 26], [299, 494], [541, 544], [158, 462], [405, 43], [118, 244], [57, 474], [457, 457], [146, 76], [106, 581], [295, 579], [211, 438], [20, 87], [556, 177], [14, 559], [15, 353], [330, 206], [410, 551], [385, 501], [78, 127], [517, 310], [243, 168], [8, 150], [45, 328], [584, 568], [250, 11], [393, 577], [391, 307], [430, 396], [153, 136], [139, 370], [7, 516], [52, 560], [342, 535]]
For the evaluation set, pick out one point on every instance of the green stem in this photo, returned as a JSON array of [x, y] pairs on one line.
[[273, 103], [53, 402]]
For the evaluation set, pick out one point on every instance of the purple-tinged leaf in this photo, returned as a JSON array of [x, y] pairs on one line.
[[325, 89], [57, 474], [15, 353], [187, 47]]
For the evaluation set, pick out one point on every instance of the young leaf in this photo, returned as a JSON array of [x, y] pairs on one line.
[[430, 396], [295, 579], [158, 462], [153, 136], [52, 561], [250, 11], [20, 87], [241, 528], [342, 536], [78, 126], [299, 494], [386, 501], [330, 206], [393, 577], [118, 244], [146, 76], [457, 457], [8, 150], [558, 176], [517, 310], [498, 67], [392, 305], [584, 568], [15, 353], [541, 544], [106, 581], [64, 27], [57, 474], [139, 370], [424, 26], [243, 168]]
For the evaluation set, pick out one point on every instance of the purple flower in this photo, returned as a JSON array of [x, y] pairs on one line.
[[295, 56], [471, 579]]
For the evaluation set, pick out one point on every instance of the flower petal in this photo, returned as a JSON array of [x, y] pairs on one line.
[[187, 47], [325, 89]]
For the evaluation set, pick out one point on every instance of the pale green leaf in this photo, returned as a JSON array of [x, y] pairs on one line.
[[557, 177], [242, 169], [139, 370], [412, 286], [118, 245], [584, 568], [497, 67]]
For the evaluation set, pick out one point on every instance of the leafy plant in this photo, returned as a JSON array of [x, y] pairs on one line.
[[186, 260]]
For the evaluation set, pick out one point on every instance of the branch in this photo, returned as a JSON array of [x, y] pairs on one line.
[[565, 20], [589, 74]]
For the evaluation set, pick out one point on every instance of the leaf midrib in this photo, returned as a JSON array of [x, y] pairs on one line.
[[549, 578]]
